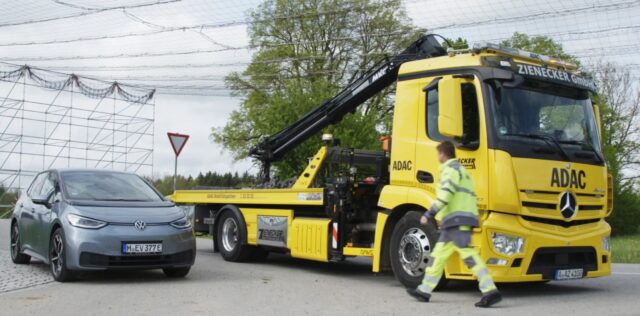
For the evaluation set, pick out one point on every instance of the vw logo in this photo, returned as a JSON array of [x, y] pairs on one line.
[[568, 205], [140, 225]]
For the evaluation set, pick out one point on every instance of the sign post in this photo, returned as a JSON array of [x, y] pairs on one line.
[[177, 143]]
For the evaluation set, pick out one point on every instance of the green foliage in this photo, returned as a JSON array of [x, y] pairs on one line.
[[625, 249], [209, 179], [7, 197], [539, 44], [458, 43], [303, 60]]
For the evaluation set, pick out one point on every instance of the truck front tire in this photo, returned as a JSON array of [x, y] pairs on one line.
[[410, 248]]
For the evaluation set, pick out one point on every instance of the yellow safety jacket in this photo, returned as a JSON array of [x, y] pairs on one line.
[[455, 203]]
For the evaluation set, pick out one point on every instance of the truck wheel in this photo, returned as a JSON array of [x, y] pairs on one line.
[[410, 247], [232, 244]]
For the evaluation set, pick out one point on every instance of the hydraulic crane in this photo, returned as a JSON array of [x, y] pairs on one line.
[[380, 76]]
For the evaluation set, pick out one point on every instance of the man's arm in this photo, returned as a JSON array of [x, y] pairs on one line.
[[446, 188]]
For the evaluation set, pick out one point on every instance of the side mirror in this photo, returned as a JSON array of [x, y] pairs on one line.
[[46, 201], [450, 107]]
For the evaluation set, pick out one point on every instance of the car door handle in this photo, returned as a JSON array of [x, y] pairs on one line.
[[424, 176]]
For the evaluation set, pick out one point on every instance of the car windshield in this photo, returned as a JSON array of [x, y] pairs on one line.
[[538, 110], [107, 186]]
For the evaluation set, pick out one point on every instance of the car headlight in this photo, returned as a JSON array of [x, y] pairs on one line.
[[605, 244], [85, 222], [181, 223], [507, 244]]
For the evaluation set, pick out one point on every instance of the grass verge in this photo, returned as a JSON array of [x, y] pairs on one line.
[[625, 249]]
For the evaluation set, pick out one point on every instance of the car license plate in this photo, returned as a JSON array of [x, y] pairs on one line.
[[136, 248], [569, 274]]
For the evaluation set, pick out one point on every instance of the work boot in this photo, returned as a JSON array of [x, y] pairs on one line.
[[419, 295], [489, 299]]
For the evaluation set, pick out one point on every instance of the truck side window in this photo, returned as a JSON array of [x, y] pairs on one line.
[[471, 122]]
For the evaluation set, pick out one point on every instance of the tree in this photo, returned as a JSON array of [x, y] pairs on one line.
[[619, 102], [539, 44], [618, 99], [306, 51], [458, 43]]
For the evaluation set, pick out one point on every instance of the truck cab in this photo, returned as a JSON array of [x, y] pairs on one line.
[[526, 130]]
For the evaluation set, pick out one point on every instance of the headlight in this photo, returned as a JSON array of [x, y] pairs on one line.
[[181, 223], [506, 244], [84, 222], [605, 244]]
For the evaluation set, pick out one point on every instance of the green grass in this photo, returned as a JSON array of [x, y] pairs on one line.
[[625, 249]]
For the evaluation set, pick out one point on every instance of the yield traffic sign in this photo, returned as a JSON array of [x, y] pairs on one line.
[[177, 142]]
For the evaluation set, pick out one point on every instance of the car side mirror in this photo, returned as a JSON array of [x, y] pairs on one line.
[[450, 107], [47, 201]]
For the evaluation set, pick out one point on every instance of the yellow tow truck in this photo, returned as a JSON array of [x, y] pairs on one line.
[[525, 128]]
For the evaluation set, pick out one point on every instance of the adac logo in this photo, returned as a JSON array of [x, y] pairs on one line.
[[402, 165], [568, 178], [568, 205]]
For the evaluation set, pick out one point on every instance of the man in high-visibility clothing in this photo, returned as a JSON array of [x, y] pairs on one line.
[[457, 211]]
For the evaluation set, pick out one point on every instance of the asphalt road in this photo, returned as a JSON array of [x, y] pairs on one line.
[[287, 286]]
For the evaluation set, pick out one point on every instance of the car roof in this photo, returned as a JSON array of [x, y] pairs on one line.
[[70, 170]]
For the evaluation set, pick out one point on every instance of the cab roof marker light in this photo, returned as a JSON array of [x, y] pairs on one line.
[[486, 46]]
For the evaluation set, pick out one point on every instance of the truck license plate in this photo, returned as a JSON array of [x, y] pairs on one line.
[[569, 274], [137, 248]]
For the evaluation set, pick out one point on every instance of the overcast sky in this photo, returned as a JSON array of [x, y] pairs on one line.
[[157, 53]]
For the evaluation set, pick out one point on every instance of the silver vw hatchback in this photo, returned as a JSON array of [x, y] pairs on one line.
[[78, 220]]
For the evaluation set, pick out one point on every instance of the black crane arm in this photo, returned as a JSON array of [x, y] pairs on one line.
[[274, 147]]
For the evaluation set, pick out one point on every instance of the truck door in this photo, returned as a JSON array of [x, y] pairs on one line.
[[470, 151]]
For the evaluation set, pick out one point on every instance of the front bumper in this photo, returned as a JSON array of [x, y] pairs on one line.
[[547, 249], [89, 249]]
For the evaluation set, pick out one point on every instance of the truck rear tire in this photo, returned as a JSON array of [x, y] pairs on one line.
[[231, 242], [410, 249]]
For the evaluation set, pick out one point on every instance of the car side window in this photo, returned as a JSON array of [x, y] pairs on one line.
[[47, 186], [471, 122], [36, 185]]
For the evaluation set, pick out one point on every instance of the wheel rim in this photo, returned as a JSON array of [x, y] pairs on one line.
[[229, 234], [414, 251], [15, 241], [56, 254]]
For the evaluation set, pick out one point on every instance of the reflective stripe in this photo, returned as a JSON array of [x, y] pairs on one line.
[[487, 285], [425, 288], [430, 279], [459, 188], [443, 202], [482, 273], [448, 190]]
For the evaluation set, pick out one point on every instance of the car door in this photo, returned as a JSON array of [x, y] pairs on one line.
[[43, 215], [27, 220]]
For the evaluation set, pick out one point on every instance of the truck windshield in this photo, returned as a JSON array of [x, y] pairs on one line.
[[107, 186], [561, 118]]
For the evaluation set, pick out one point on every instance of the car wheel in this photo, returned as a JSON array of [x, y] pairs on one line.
[[16, 255], [176, 272], [410, 249], [232, 244], [57, 258]]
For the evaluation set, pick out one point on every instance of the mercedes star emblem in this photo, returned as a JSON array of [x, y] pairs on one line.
[[140, 225], [568, 205]]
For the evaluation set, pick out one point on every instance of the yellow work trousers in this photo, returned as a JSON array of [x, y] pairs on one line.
[[440, 255]]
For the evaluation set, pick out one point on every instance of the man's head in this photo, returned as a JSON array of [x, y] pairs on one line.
[[446, 151]]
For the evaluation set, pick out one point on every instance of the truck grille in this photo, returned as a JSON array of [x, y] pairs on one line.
[[548, 200], [547, 260], [559, 222], [88, 259]]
